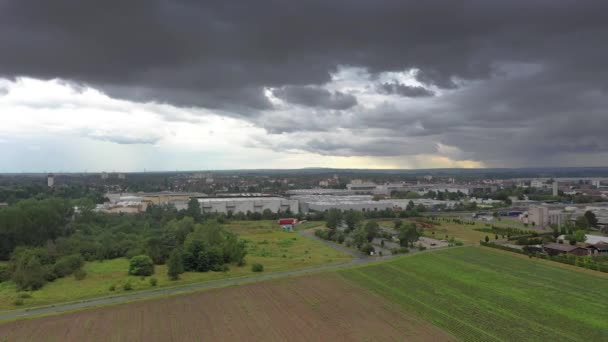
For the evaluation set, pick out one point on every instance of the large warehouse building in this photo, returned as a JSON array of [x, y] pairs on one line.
[[326, 202], [245, 204]]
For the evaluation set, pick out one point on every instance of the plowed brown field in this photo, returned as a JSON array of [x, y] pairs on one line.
[[322, 307]]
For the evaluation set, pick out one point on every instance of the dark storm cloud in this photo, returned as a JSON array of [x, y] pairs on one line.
[[316, 97], [404, 90], [515, 80], [200, 49]]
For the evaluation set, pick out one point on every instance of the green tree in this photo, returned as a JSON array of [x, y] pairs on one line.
[[268, 215], [410, 205], [579, 236], [28, 271], [334, 216], [591, 219], [352, 218], [175, 265], [397, 224], [194, 210], [581, 223], [371, 230], [408, 234], [180, 229], [359, 236], [487, 238], [141, 265]]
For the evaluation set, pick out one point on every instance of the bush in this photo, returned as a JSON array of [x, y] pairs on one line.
[[367, 249], [400, 250], [153, 282], [141, 265], [175, 265], [80, 274], [127, 286], [29, 273], [112, 288], [257, 268], [421, 247], [24, 295], [18, 302], [4, 273], [67, 265]]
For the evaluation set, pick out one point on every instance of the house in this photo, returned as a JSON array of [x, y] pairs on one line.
[[288, 223], [557, 248], [598, 249]]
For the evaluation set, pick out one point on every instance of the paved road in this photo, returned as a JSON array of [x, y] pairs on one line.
[[359, 258]]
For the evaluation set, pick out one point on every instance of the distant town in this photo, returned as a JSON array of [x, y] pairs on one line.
[[540, 202]]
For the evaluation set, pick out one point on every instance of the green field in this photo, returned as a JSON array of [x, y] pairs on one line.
[[478, 294], [268, 244], [464, 232]]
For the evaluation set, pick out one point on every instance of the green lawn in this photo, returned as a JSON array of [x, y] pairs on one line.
[[277, 250], [479, 294], [465, 232]]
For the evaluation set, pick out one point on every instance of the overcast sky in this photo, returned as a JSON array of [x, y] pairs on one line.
[[186, 85]]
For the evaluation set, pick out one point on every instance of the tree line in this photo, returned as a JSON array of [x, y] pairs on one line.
[[46, 239]]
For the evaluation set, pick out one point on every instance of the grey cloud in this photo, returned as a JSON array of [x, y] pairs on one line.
[[316, 97], [207, 53], [549, 100], [404, 90]]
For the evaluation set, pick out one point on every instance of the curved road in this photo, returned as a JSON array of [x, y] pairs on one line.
[[358, 258]]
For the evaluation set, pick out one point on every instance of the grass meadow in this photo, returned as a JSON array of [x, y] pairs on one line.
[[478, 294], [268, 244]]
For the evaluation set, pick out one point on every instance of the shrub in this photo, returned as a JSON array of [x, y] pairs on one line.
[[153, 282], [24, 295], [367, 249], [67, 265], [112, 288], [400, 250], [4, 273], [29, 273], [80, 274], [257, 267], [141, 265], [421, 247], [127, 286], [18, 302], [175, 265]]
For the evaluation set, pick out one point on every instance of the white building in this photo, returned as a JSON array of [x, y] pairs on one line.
[[356, 202], [50, 180], [359, 185], [539, 216], [245, 204], [558, 217], [537, 183], [555, 188]]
